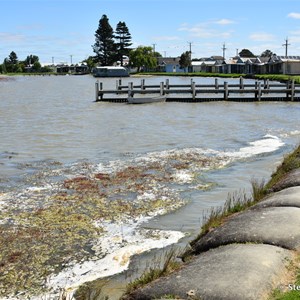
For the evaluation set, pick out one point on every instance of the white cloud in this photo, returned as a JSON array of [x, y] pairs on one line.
[[224, 22], [295, 32], [262, 37], [6, 37], [294, 39], [203, 30], [294, 15], [166, 38]]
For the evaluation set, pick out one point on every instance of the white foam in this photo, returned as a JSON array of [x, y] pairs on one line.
[[269, 143], [121, 242], [295, 132], [182, 176]]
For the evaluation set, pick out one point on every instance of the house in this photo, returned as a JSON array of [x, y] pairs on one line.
[[62, 68], [230, 66], [289, 65], [170, 65], [245, 65], [260, 65], [81, 69], [211, 66], [196, 66]]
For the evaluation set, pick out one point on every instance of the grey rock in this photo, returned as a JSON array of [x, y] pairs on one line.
[[286, 197], [232, 272], [273, 225], [289, 180]]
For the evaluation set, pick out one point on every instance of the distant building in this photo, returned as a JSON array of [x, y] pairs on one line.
[[170, 65], [208, 64], [62, 68], [289, 65]]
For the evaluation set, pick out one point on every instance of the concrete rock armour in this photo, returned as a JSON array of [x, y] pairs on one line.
[[243, 259]]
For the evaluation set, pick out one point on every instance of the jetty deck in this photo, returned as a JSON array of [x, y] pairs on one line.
[[241, 92]]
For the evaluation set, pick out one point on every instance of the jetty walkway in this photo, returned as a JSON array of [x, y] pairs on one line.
[[243, 259], [240, 92]]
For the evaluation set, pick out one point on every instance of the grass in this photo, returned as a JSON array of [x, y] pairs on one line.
[[275, 77], [278, 77], [240, 201], [290, 291], [170, 265], [236, 202], [290, 162], [193, 74]]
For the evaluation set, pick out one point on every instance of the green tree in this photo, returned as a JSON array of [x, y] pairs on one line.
[[11, 63], [123, 41], [13, 58], [104, 46], [36, 66], [31, 59], [246, 53], [267, 53], [91, 61], [157, 54], [142, 58], [185, 60], [4, 70]]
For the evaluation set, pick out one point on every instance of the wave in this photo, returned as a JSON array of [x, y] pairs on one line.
[[269, 143], [292, 133]]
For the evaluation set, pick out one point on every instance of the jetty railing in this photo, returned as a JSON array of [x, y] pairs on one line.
[[243, 92]]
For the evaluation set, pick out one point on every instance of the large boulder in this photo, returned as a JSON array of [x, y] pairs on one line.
[[230, 272]]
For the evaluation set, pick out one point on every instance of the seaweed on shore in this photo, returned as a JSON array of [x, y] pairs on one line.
[[45, 229]]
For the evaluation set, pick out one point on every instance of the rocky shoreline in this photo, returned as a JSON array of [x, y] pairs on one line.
[[246, 257]]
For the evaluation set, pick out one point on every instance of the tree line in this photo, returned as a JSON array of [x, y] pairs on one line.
[[110, 47], [12, 64]]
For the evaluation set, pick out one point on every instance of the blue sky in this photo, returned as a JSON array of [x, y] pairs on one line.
[[65, 28]]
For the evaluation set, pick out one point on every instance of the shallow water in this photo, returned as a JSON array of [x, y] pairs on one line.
[[52, 129]]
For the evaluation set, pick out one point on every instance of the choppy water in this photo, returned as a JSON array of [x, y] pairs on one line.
[[51, 128]]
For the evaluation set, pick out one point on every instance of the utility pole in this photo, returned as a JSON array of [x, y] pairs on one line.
[[71, 56], [224, 48], [52, 60], [286, 44], [190, 43], [153, 47]]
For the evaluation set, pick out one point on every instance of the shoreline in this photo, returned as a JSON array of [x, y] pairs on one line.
[[224, 259], [92, 189]]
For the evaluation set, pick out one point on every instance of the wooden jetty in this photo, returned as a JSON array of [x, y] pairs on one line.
[[240, 92]]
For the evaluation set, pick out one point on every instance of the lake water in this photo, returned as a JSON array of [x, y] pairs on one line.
[[53, 120]]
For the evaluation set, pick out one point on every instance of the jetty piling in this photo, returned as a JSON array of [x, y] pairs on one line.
[[195, 92], [162, 92], [226, 92], [216, 84], [292, 90], [241, 83], [97, 90]]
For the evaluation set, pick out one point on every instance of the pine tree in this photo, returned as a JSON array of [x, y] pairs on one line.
[[104, 46], [123, 41]]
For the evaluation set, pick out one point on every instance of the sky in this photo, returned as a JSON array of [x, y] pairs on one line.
[[63, 31]]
